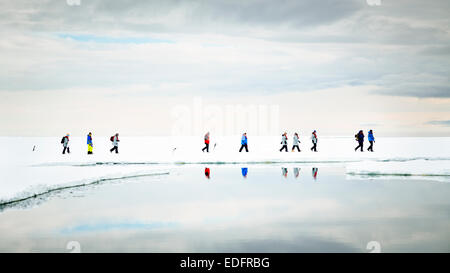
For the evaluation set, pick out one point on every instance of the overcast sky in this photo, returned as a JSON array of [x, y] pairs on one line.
[[128, 66]]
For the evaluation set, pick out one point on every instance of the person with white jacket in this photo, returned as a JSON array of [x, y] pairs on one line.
[[296, 142], [65, 143], [314, 141], [115, 141], [284, 142]]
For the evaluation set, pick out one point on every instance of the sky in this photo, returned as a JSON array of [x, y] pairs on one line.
[[186, 67]]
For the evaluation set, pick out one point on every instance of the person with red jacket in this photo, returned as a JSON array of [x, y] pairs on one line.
[[206, 143]]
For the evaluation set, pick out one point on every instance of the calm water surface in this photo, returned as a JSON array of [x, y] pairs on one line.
[[234, 208]]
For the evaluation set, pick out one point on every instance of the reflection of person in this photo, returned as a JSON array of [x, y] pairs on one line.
[[296, 172], [284, 142], [360, 138], [206, 143], [314, 172], [244, 172], [207, 172], [244, 143], [284, 172], [371, 139]]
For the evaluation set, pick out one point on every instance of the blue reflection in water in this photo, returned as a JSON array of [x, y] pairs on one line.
[[119, 226], [244, 172]]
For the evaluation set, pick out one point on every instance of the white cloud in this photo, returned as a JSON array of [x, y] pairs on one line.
[[257, 50]]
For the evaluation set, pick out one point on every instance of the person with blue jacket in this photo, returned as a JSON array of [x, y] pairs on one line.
[[371, 139], [244, 143], [360, 138], [89, 143]]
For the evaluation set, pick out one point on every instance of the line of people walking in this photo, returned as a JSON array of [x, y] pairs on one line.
[[90, 145], [296, 141], [244, 142], [284, 142]]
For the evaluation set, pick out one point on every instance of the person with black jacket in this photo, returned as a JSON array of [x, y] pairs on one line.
[[360, 138], [65, 143]]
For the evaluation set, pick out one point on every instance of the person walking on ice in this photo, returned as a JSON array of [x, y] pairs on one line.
[[360, 138], [371, 139], [115, 140], [314, 141], [284, 142], [244, 143], [65, 143], [206, 143], [89, 143], [296, 142]]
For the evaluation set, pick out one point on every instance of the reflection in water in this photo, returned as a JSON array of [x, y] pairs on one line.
[[244, 172], [314, 172], [284, 172], [311, 217]]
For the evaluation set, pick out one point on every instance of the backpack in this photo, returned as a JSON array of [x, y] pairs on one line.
[[112, 138], [62, 140]]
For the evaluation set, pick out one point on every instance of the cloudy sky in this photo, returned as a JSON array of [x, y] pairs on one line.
[[336, 66]]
